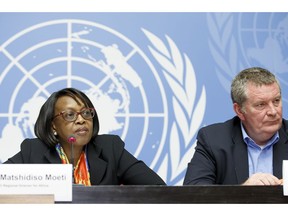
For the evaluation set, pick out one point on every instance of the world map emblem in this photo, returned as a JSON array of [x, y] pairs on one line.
[[120, 79], [95, 59], [257, 39]]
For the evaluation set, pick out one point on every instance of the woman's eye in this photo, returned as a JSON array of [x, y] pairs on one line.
[[70, 114]]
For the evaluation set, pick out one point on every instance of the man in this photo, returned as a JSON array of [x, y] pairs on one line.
[[249, 148]]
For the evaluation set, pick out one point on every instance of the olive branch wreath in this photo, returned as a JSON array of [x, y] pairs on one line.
[[223, 47], [180, 76]]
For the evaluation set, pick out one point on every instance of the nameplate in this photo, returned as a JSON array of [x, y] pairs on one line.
[[285, 177], [55, 179]]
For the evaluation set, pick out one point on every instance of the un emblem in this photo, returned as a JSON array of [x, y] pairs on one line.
[[118, 77], [258, 39]]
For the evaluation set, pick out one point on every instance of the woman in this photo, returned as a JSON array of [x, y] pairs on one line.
[[67, 132]]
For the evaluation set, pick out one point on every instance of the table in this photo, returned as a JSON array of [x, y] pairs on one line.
[[179, 194]]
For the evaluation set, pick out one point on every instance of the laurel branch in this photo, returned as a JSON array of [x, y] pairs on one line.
[[180, 76], [223, 47]]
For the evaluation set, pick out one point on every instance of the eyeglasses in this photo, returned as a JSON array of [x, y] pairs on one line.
[[70, 115]]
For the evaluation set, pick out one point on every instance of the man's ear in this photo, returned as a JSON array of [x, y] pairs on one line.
[[238, 110]]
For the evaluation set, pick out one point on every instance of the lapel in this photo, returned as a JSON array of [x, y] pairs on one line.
[[240, 154], [52, 156], [97, 166], [280, 151]]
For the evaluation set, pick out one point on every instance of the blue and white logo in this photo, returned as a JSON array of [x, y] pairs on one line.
[[240, 40], [120, 79], [154, 78]]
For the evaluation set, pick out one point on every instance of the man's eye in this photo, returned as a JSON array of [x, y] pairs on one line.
[[260, 106], [277, 101]]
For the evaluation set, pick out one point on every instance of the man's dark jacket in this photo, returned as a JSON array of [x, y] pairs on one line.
[[221, 155]]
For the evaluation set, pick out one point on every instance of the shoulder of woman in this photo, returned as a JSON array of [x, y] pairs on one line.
[[108, 141]]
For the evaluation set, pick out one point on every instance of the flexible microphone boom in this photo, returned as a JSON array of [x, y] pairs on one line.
[[72, 140]]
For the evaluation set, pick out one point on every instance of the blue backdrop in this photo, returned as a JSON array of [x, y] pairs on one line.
[[154, 78]]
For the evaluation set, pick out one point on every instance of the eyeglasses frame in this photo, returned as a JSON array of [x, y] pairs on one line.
[[77, 112]]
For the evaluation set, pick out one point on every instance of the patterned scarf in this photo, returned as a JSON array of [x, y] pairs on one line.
[[81, 171]]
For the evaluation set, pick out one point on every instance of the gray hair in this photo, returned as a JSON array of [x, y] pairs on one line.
[[255, 75]]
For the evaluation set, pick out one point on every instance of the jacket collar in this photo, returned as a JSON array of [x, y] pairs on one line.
[[97, 166], [52, 156], [240, 153]]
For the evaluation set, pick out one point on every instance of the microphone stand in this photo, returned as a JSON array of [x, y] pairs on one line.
[[72, 140], [72, 161]]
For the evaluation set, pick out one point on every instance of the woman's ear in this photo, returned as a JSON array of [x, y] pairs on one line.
[[54, 129]]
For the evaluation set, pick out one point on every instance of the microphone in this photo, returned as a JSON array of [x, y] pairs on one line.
[[72, 140]]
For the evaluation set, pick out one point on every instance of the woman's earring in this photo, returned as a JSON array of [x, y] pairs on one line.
[[55, 133]]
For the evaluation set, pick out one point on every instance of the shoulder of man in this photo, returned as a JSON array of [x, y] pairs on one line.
[[228, 124]]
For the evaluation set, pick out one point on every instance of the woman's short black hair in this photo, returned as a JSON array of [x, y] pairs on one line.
[[43, 126]]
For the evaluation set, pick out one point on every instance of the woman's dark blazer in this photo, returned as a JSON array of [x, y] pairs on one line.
[[221, 155], [109, 162]]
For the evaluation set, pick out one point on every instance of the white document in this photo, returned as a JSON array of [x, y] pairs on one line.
[[285, 177], [32, 179]]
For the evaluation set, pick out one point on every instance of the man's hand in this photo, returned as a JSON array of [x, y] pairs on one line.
[[263, 179]]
